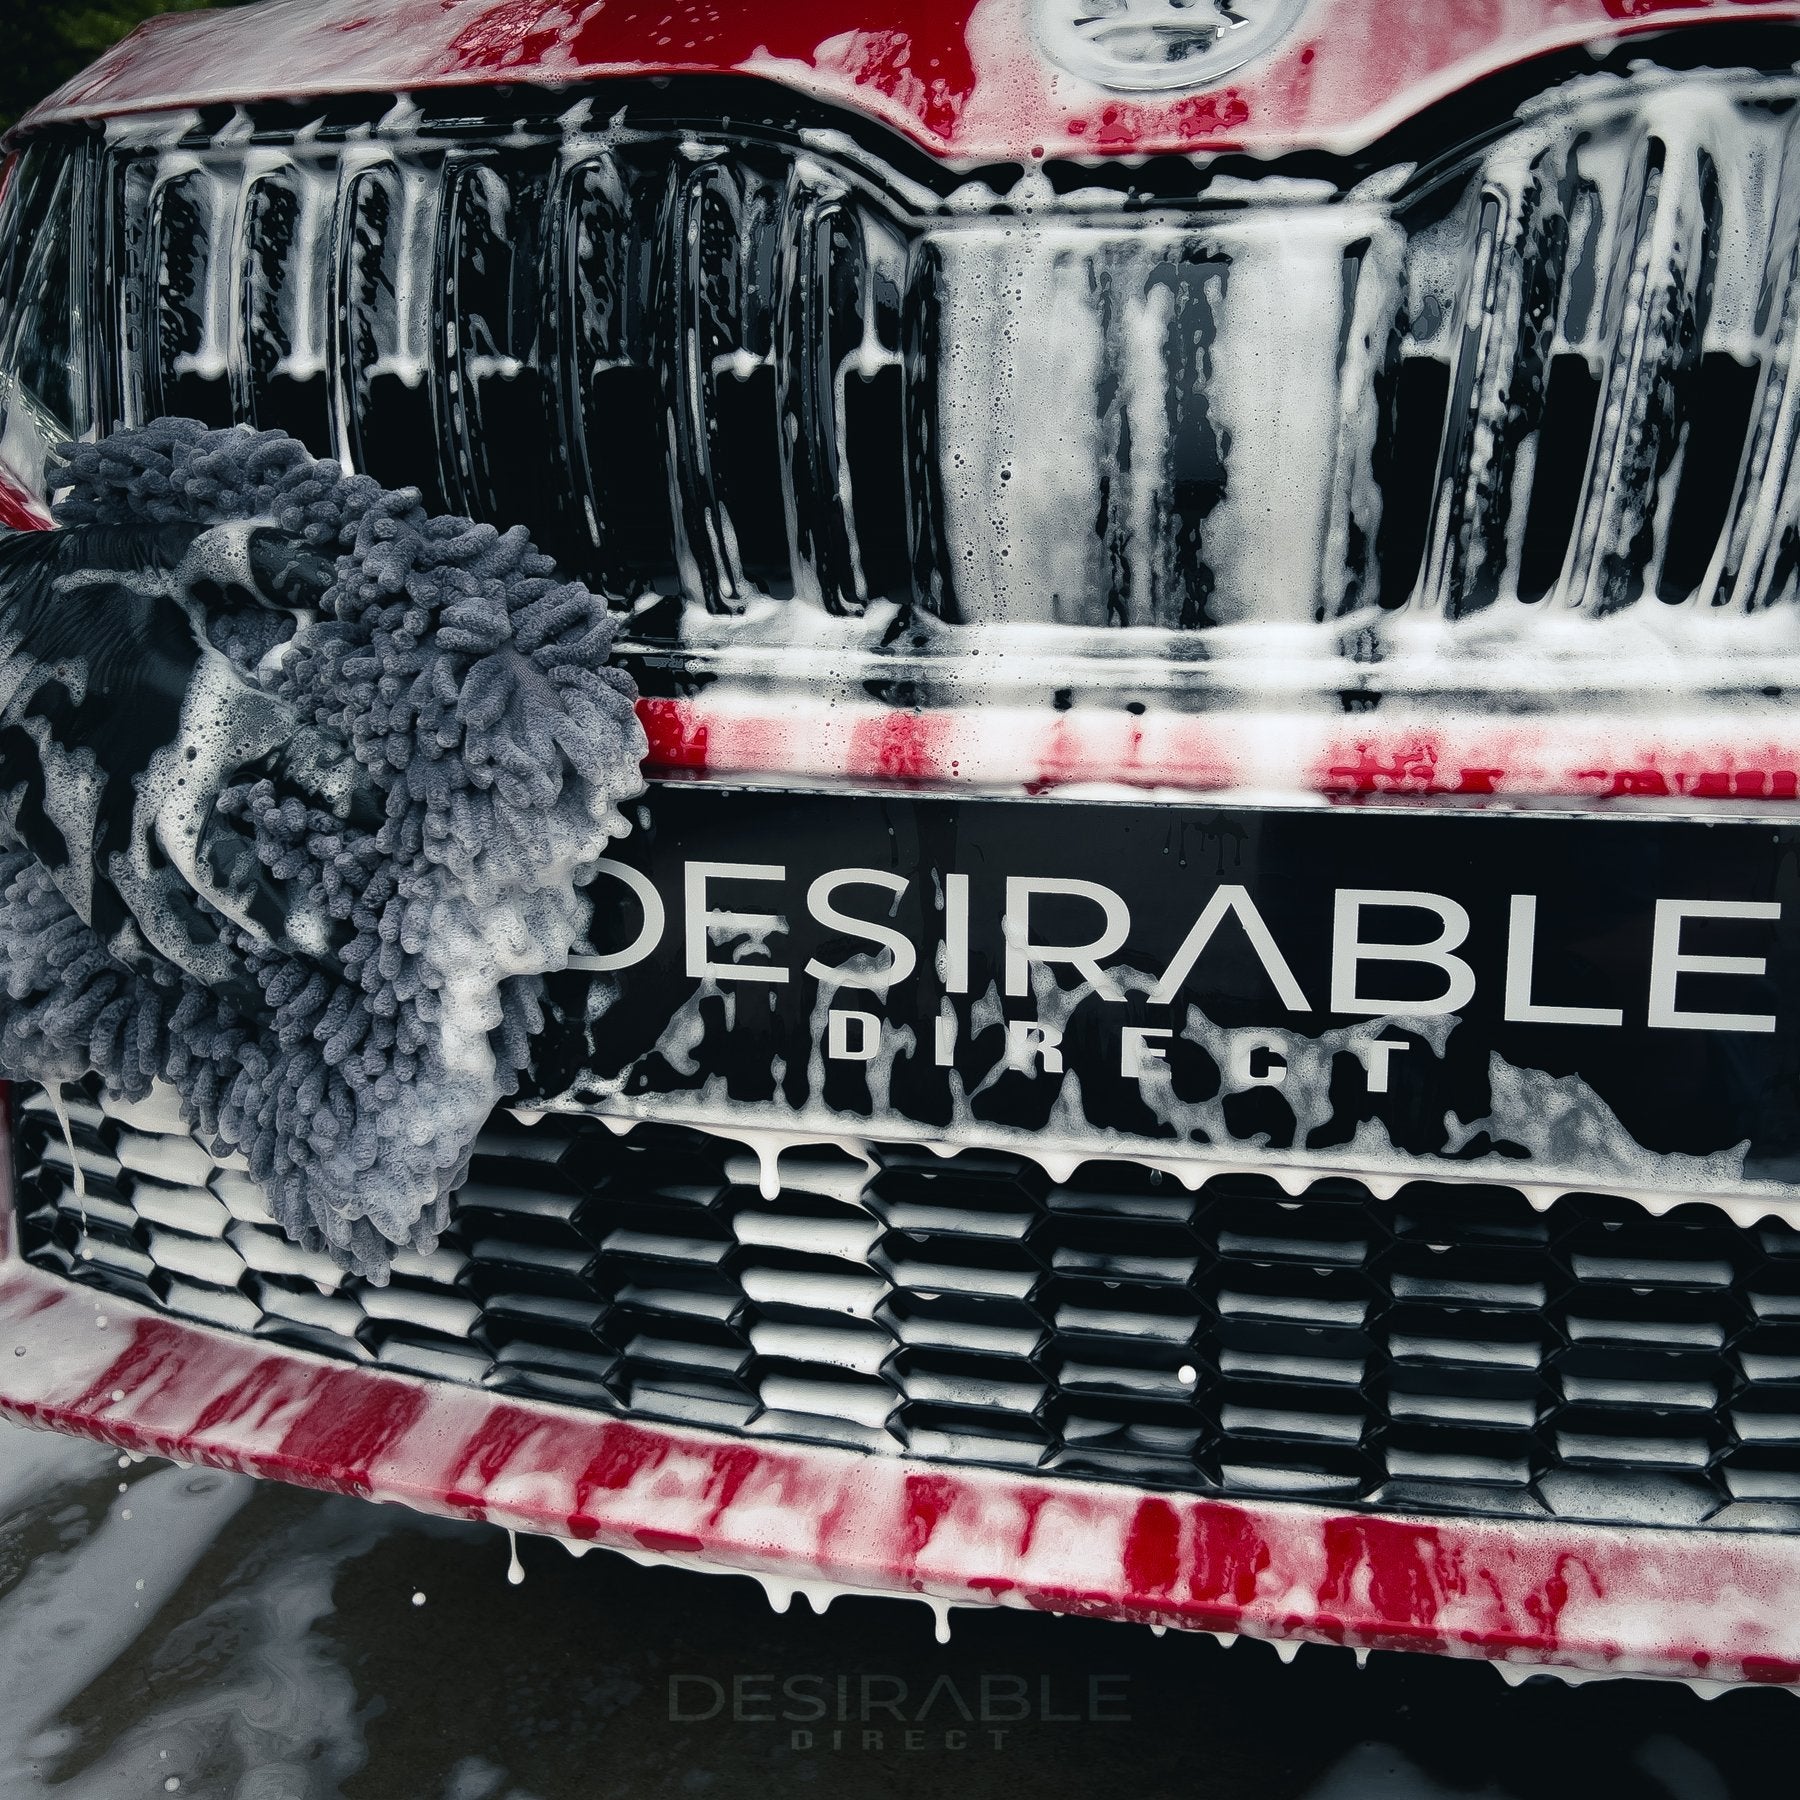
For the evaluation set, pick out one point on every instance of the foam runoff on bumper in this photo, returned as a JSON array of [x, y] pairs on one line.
[[328, 877]]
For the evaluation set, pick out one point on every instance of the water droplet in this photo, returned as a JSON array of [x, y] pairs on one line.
[[18, 1349], [515, 1570], [1187, 1374], [118, 1394], [418, 1599]]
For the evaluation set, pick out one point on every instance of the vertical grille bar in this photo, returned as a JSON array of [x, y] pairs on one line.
[[192, 237], [43, 356], [1117, 574], [611, 384], [92, 352], [932, 570], [1759, 550], [1349, 575], [1166, 447], [472, 306], [1663, 275], [504, 458], [821, 261], [1051, 352], [131, 189], [1497, 387], [704, 295], [871, 405], [1558, 451], [388, 391], [1274, 379], [284, 307]]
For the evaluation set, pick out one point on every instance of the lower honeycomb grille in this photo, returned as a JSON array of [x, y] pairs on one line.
[[1451, 1349]]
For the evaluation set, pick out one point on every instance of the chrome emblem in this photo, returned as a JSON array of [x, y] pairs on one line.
[[1160, 45]]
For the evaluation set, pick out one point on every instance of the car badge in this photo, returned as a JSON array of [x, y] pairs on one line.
[[1160, 46]]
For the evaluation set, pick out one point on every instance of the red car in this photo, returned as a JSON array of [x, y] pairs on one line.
[[1200, 1022]]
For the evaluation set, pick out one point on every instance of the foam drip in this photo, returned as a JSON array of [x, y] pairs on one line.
[[779, 1590]]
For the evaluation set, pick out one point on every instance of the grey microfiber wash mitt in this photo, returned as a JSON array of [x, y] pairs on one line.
[[299, 789]]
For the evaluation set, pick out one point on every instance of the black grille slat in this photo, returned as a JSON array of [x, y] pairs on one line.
[[1452, 1348]]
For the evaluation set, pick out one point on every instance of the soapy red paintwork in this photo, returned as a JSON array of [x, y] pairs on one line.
[[18, 510], [1643, 1600], [1034, 750], [962, 78]]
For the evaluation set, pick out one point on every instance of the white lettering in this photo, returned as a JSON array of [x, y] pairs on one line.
[[1084, 959], [1521, 954], [1231, 900], [1668, 961], [702, 922], [838, 1044], [956, 934], [650, 933], [1138, 1054], [1349, 952], [1375, 1060], [902, 957], [1242, 1069], [1028, 1042]]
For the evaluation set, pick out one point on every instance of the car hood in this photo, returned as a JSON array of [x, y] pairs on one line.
[[968, 80]]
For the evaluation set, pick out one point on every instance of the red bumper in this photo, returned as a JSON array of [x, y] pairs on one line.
[[1677, 1603]]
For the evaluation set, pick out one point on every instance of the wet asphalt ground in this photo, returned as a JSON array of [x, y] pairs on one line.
[[170, 1631]]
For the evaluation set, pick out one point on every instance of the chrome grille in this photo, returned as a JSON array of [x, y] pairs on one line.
[[1450, 1349], [712, 367]]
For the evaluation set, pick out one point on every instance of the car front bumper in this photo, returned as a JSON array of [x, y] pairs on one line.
[[1704, 1607]]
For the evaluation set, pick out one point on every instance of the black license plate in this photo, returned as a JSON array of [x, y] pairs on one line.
[[1536, 999]]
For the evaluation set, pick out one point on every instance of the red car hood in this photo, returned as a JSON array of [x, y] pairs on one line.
[[966, 79]]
